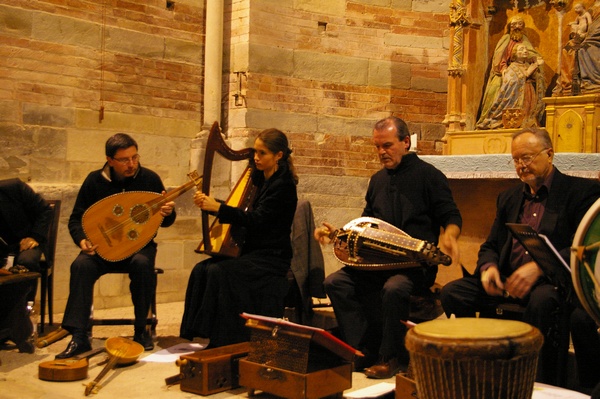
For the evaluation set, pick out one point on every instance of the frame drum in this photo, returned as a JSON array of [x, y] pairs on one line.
[[474, 358], [585, 262]]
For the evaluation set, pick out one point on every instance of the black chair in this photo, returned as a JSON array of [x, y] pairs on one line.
[[47, 267], [560, 336], [151, 321]]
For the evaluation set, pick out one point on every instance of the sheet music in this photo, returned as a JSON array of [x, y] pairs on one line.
[[545, 238]]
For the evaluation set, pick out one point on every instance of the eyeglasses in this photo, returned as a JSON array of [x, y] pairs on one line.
[[526, 160], [124, 161]]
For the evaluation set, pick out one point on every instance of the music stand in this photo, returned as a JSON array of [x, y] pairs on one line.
[[542, 251]]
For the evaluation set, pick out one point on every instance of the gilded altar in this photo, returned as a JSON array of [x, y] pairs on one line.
[[574, 122], [561, 81]]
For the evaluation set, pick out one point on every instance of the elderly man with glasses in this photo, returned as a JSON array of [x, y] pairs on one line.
[[122, 172], [551, 203]]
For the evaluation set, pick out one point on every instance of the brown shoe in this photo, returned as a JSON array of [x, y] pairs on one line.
[[384, 369]]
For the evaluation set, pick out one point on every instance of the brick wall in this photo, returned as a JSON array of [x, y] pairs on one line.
[[322, 71]]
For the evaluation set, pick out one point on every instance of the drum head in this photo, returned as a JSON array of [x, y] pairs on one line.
[[586, 273]]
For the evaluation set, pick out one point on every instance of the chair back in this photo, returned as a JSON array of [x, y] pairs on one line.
[[52, 233]]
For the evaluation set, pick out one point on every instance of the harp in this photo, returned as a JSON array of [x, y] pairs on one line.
[[224, 239]]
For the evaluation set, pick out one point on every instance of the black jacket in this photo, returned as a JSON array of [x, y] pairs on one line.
[[25, 212], [568, 200], [268, 223]]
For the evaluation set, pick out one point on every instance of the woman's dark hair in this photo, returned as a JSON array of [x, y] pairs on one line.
[[275, 140], [117, 142]]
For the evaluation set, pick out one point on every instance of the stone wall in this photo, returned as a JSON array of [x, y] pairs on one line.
[[73, 74]]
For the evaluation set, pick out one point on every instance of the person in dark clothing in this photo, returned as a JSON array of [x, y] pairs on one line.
[[586, 341], [121, 173], [552, 204], [369, 305], [220, 288], [24, 222]]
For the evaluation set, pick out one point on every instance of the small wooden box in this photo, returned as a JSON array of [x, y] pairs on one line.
[[295, 361], [212, 370], [406, 387], [291, 385]]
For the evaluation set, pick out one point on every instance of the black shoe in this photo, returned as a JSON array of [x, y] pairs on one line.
[[144, 339], [73, 349], [363, 362], [385, 368]]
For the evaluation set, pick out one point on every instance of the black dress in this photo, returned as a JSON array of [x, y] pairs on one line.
[[220, 289]]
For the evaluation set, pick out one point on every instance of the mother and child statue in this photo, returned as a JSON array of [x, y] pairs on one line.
[[516, 85]]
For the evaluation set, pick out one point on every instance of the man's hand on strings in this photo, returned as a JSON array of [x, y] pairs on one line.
[[167, 207], [322, 234]]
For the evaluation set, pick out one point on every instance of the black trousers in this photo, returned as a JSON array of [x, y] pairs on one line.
[[586, 341], [466, 296], [370, 305], [86, 269], [30, 258]]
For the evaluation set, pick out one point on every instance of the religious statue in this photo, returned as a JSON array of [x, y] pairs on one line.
[[589, 54], [518, 101], [501, 59], [569, 82]]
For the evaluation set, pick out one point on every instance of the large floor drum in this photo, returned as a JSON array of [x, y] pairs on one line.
[[474, 358], [585, 262]]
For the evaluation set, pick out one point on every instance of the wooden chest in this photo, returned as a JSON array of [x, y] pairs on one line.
[[406, 387], [295, 361], [212, 370], [291, 385]]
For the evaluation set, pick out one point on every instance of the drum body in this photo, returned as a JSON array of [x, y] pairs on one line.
[[474, 358], [585, 262]]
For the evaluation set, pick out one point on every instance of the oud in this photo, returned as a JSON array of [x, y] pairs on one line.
[[122, 224], [372, 244], [72, 369]]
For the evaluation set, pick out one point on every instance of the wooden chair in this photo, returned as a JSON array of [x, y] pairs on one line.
[[151, 321], [47, 267]]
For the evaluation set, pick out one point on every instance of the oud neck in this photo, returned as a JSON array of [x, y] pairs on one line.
[[171, 195]]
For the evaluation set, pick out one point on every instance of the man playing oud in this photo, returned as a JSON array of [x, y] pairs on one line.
[[122, 172]]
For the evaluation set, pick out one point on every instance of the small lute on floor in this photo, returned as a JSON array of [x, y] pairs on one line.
[[72, 369]]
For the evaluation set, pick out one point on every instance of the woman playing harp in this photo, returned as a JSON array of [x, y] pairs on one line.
[[221, 288]]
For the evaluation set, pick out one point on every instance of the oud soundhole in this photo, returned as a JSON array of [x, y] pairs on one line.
[[118, 210], [140, 213], [133, 235]]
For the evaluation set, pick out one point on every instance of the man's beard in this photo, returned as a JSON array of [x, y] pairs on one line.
[[516, 35]]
